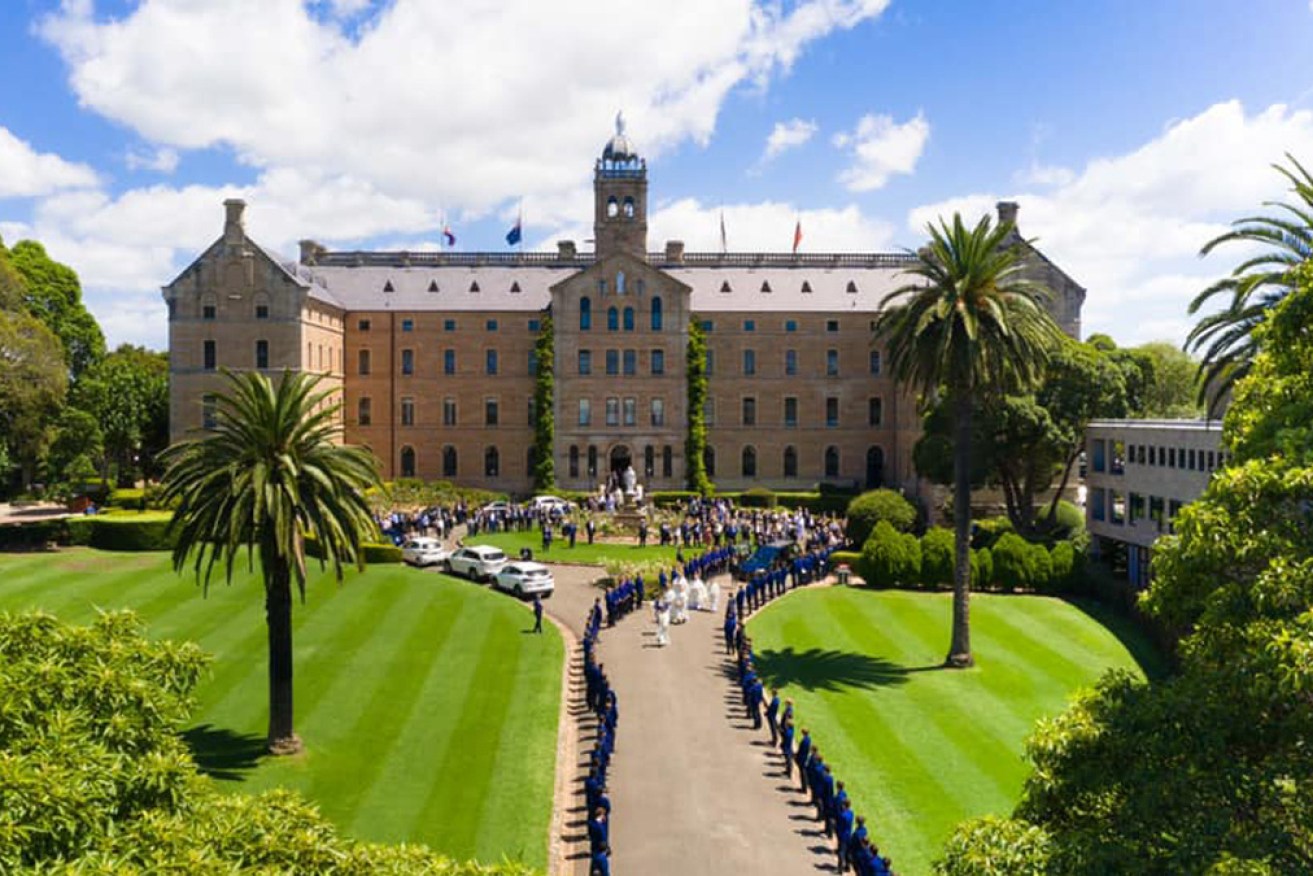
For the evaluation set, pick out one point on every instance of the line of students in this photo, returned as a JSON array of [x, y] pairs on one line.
[[601, 700]]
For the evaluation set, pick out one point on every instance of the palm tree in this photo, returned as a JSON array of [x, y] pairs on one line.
[[969, 324], [1256, 285], [268, 476]]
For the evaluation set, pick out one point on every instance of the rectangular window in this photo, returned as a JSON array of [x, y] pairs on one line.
[[208, 408], [1099, 504], [749, 325], [790, 413], [533, 362], [407, 412], [875, 362], [1156, 512], [631, 412], [532, 413], [790, 362], [262, 311], [658, 412], [831, 363], [585, 362], [749, 362], [613, 412], [490, 362], [535, 325], [1212, 460], [831, 412], [207, 311], [790, 325], [1136, 506], [711, 362], [1100, 462], [667, 462], [364, 413], [1153, 454], [874, 412], [709, 412], [448, 412], [209, 356], [631, 363], [448, 361], [708, 325], [832, 325], [363, 325], [407, 362], [449, 325], [491, 325], [408, 325], [749, 411], [490, 412], [1190, 464], [1116, 507], [658, 361], [262, 354], [362, 362], [612, 363], [585, 412]]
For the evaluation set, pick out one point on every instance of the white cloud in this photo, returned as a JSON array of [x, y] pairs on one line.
[[1044, 175], [163, 160], [454, 102], [1129, 227], [24, 172], [880, 148], [787, 135]]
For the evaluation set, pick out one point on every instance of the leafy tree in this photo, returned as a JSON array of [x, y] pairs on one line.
[[968, 323], [33, 381], [269, 476], [128, 394], [1228, 337], [695, 447], [890, 558], [1172, 392], [868, 509], [544, 419], [77, 440], [54, 296]]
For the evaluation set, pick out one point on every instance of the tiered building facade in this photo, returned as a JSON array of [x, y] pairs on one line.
[[433, 352]]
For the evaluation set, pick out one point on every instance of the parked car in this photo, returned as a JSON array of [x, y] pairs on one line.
[[478, 562], [499, 507], [550, 503], [525, 578], [424, 551], [764, 557]]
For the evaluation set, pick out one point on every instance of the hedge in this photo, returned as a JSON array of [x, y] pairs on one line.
[[890, 558], [128, 498], [871, 508], [375, 553]]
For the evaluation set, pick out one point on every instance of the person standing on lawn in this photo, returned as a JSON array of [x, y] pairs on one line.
[[537, 614]]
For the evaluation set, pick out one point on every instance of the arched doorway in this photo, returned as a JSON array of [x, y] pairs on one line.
[[620, 459], [874, 468]]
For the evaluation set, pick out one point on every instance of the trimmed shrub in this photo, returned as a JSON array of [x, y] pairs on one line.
[[1013, 562], [147, 531], [382, 553], [890, 558], [871, 508], [671, 498], [937, 547], [127, 498], [758, 497], [33, 535], [982, 569], [1070, 518], [1041, 570], [986, 532], [1063, 567]]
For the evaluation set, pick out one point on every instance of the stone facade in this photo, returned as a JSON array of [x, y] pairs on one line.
[[432, 352]]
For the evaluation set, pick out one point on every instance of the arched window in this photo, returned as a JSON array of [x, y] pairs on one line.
[[612, 319], [585, 314], [790, 462], [667, 462], [831, 462], [612, 206], [629, 208], [592, 461], [629, 319], [407, 462], [531, 460], [649, 461], [749, 462], [491, 462], [874, 467], [656, 313], [620, 283], [709, 460], [449, 461], [574, 461]]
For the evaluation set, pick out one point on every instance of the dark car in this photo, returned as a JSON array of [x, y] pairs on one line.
[[764, 557]]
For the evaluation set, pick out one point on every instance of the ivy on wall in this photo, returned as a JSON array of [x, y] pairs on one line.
[[696, 445], [544, 421]]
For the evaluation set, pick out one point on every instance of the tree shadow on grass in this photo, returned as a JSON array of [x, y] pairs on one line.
[[830, 670], [1154, 660], [223, 754]]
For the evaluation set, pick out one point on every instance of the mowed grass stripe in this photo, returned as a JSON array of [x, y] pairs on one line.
[[80, 595], [536, 696], [923, 750]]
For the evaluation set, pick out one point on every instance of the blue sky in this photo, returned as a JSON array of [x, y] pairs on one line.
[[1129, 132]]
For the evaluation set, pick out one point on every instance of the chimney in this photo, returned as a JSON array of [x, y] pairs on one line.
[[233, 232], [675, 252], [310, 252], [1007, 213], [565, 251]]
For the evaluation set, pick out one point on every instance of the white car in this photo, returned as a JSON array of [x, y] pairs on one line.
[[478, 562], [524, 578], [496, 507], [550, 503], [424, 551]]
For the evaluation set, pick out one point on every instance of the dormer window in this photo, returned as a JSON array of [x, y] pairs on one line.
[[724, 287], [474, 287], [806, 287], [765, 287], [387, 287], [620, 282], [852, 288], [433, 285], [515, 288]]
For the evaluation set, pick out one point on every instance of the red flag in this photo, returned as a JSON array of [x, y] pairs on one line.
[[797, 236]]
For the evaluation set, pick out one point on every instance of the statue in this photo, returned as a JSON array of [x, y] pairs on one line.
[[631, 480]]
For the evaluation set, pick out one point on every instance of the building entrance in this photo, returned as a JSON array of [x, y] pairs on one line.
[[620, 459]]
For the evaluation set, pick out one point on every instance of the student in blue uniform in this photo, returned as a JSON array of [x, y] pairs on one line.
[[803, 759], [537, 613], [731, 622], [786, 746], [772, 716], [843, 831]]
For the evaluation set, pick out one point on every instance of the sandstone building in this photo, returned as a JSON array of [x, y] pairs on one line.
[[433, 351]]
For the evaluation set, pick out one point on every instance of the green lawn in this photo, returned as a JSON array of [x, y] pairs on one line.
[[427, 713], [596, 554], [922, 748]]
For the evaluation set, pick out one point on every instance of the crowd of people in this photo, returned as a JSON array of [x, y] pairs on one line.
[[601, 701]]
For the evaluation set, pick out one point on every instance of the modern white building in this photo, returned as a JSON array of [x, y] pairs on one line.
[[1139, 474]]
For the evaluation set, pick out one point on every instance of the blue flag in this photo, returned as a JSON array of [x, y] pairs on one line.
[[513, 236]]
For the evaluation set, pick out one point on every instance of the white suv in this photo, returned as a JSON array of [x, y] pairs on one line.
[[424, 552], [478, 562]]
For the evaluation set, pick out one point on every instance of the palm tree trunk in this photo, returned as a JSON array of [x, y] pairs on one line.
[[959, 652], [278, 615]]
